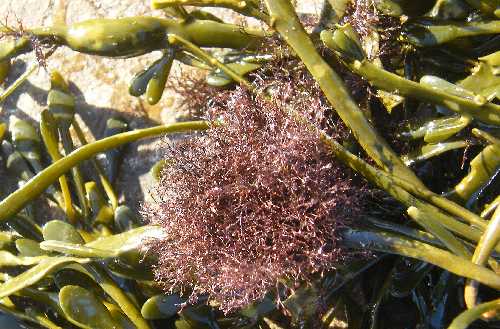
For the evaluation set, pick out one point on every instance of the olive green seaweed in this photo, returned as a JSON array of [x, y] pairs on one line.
[[29, 315], [27, 142], [430, 224], [173, 39], [75, 249], [6, 239], [284, 19], [272, 324], [36, 273], [245, 7], [102, 211], [48, 130], [408, 194], [135, 36], [180, 12], [24, 225], [161, 306], [4, 70], [156, 85], [449, 10], [200, 316], [438, 130], [431, 150], [489, 7], [189, 59], [386, 242], [490, 208], [427, 33], [407, 231], [84, 309], [484, 248], [483, 168], [15, 47], [61, 104], [127, 241], [484, 79], [106, 184], [16, 162], [125, 219], [34, 187], [76, 274], [9, 259], [3, 129], [68, 241], [140, 81], [466, 318], [125, 303], [42, 318], [112, 246], [61, 231], [28, 247], [218, 78], [122, 253], [157, 169], [119, 317], [113, 158], [301, 302], [485, 136], [7, 92], [477, 107], [97, 258], [49, 299]]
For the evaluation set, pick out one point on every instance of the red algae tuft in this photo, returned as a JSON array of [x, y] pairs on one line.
[[255, 199]]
